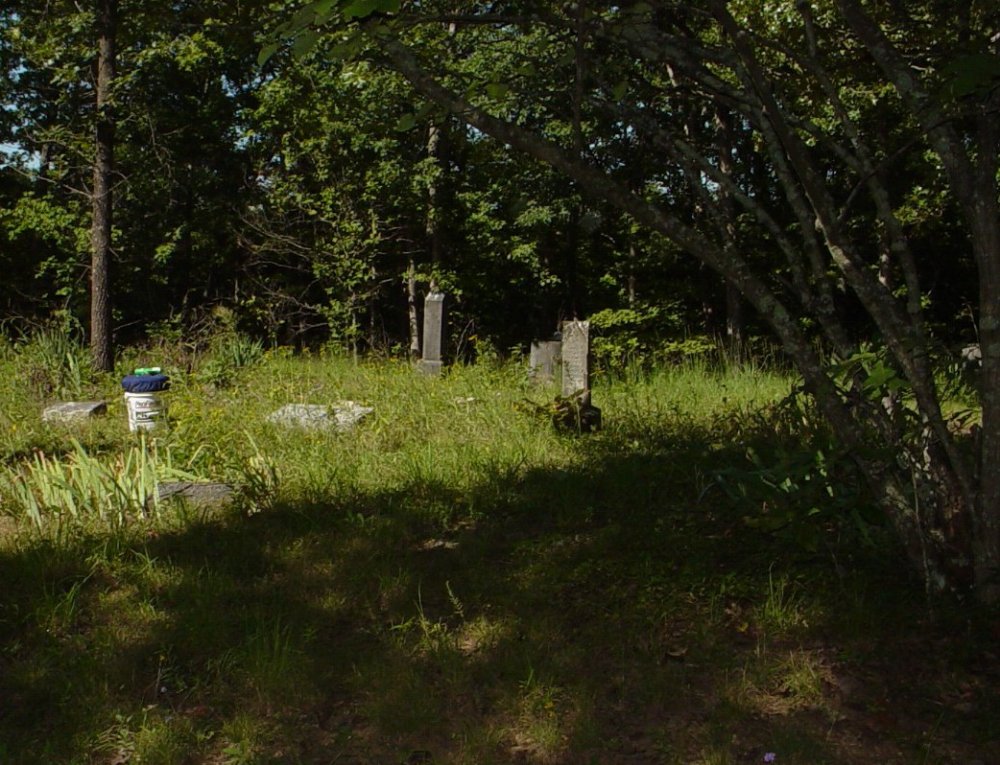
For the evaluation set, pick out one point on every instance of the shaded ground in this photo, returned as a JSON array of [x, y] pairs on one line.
[[525, 639]]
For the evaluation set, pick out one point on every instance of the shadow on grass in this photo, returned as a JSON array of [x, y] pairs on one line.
[[612, 613]]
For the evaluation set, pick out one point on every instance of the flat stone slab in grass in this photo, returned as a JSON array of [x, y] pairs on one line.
[[196, 493], [343, 415], [70, 411]]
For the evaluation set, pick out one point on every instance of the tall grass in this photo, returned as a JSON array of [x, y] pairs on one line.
[[437, 442], [53, 363], [422, 432], [80, 485]]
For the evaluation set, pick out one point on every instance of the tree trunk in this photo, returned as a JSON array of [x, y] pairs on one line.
[[734, 301], [986, 546], [973, 181], [986, 244], [576, 125], [411, 308], [433, 227], [734, 321], [102, 354], [630, 279]]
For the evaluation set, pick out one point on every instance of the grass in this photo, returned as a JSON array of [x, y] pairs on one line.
[[455, 581]]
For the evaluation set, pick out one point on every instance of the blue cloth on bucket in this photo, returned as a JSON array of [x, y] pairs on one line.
[[145, 383]]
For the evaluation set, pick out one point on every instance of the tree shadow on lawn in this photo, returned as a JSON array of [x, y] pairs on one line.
[[612, 613]]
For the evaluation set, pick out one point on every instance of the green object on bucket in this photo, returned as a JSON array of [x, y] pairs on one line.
[[147, 371]]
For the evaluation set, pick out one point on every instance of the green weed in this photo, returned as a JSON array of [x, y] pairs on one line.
[[272, 662], [54, 363], [231, 354], [782, 611]]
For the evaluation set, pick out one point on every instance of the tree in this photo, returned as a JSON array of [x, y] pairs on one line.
[[343, 202], [102, 199], [180, 95], [793, 84]]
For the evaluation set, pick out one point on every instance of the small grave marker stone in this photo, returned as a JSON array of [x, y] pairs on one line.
[[72, 411], [543, 360]]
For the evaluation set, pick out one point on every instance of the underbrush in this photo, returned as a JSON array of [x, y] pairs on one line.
[[455, 581]]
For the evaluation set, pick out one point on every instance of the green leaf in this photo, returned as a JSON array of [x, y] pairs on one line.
[[497, 90], [323, 9], [304, 43], [360, 9], [302, 18], [879, 376], [425, 111], [406, 122], [975, 73], [349, 48]]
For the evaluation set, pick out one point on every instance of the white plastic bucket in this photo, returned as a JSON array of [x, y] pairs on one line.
[[144, 409]]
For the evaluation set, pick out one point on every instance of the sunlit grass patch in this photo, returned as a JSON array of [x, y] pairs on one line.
[[781, 683], [153, 736], [540, 723], [111, 489], [243, 739], [480, 635]]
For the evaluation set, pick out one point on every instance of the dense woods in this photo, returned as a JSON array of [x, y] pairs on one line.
[[821, 174]]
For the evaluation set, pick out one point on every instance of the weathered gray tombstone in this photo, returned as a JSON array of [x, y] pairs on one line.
[[581, 414], [575, 357], [430, 363], [72, 411], [543, 360], [342, 416]]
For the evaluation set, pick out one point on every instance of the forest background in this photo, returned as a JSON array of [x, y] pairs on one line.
[[832, 166]]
